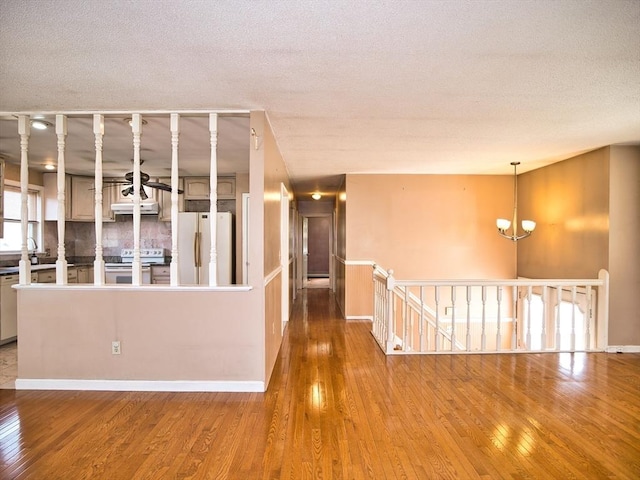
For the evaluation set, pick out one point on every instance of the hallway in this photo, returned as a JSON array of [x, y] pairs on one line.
[[337, 408]]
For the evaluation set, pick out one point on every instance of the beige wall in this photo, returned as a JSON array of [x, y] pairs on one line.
[[430, 226], [341, 247], [624, 246], [569, 201], [66, 333], [275, 174]]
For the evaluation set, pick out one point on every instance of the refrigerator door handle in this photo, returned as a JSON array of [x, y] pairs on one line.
[[196, 254]]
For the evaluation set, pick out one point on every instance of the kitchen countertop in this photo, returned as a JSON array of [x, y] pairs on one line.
[[34, 268]]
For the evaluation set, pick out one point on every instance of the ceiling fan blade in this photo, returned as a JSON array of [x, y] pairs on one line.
[[161, 186], [143, 194], [114, 181], [144, 178], [127, 191]]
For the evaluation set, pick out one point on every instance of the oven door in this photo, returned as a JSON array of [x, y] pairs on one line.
[[122, 274]]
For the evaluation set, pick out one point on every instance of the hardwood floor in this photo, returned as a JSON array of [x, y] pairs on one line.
[[337, 408]]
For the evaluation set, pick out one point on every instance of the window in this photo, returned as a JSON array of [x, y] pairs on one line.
[[12, 240]]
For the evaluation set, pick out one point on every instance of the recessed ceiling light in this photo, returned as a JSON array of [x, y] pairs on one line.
[[40, 124]]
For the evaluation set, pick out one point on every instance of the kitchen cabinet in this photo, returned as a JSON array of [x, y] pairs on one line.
[[164, 199], [160, 274], [8, 308], [47, 276], [72, 275], [85, 274], [79, 198], [197, 188], [50, 182]]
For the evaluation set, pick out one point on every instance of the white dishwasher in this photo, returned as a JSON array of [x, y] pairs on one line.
[[8, 308]]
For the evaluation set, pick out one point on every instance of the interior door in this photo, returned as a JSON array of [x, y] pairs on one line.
[[305, 250]]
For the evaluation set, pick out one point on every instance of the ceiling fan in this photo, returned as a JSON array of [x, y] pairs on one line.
[[144, 182]]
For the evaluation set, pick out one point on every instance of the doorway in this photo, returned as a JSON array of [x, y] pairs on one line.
[[316, 251]]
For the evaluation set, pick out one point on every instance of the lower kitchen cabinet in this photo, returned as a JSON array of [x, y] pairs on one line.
[[8, 308], [85, 274], [160, 274]]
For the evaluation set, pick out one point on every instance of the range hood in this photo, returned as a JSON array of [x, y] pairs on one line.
[[126, 208]]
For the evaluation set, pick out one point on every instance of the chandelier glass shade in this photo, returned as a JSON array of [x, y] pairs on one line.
[[528, 226]]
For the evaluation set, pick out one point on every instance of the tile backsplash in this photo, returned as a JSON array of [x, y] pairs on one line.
[[80, 237]]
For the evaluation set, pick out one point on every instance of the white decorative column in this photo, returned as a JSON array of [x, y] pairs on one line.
[[24, 130], [136, 128], [61, 263], [213, 196], [175, 133], [98, 263]]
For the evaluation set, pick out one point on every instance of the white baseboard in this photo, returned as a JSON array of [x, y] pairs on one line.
[[138, 385], [360, 317], [623, 349]]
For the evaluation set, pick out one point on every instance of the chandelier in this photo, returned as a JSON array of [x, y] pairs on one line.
[[503, 224]]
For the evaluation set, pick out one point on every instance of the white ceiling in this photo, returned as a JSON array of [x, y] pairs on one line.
[[349, 86]]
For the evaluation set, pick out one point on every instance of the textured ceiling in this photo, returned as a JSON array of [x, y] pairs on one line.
[[349, 86]]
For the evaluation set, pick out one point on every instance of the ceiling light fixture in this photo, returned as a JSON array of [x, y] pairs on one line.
[[48, 166], [40, 124], [316, 196], [503, 224]]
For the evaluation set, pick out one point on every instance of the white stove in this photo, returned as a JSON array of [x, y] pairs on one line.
[[121, 273], [148, 256]]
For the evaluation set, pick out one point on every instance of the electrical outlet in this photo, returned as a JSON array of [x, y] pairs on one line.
[[448, 310], [115, 348]]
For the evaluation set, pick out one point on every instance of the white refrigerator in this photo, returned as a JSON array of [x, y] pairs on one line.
[[194, 245]]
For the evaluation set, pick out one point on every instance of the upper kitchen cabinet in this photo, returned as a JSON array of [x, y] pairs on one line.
[[79, 199], [164, 199], [197, 188]]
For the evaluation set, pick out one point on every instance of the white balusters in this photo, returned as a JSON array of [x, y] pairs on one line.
[[528, 341], [453, 318], [422, 321], [436, 295], [483, 336], [136, 128], [468, 318], [588, 320], [61, 263], [498, 333], [213, 196], [406, 327], [24, 130], [98, 263], [390, 312], [543, 334], [514, 322], [557, 310], [573, 318], [175, 134]]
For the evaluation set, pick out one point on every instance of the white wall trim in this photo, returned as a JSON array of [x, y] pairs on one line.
[[623, 349], [359, 317], [368, 263], [274, 273], [139, 385]]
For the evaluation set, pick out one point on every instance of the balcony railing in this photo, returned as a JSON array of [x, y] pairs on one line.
[[489, 316]]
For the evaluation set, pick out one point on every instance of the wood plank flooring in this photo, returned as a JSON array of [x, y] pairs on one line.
[[337, 408]]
